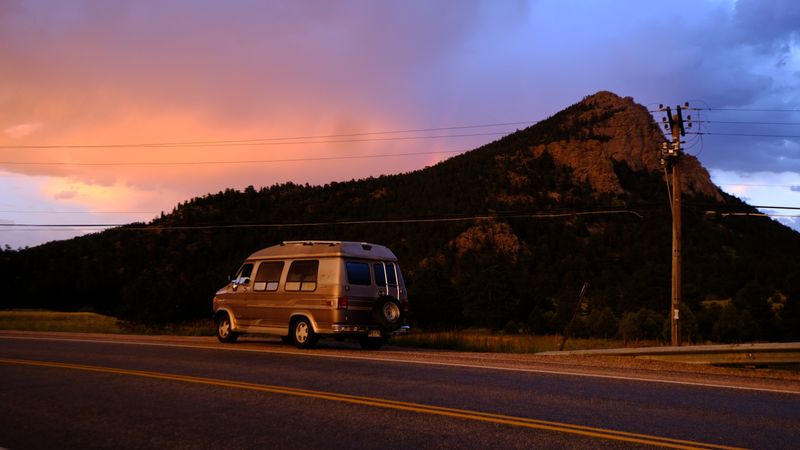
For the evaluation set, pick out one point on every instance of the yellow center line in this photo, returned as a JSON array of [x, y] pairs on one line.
[[390, 404]]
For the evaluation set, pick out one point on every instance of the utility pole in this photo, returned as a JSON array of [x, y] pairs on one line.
[[671, 159]]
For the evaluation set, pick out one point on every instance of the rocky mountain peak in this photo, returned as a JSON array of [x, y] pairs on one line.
[[607, 128]]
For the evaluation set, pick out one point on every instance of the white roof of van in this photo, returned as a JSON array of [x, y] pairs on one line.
[[306, 249]]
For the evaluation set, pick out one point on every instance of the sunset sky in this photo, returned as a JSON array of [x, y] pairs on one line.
[[86, 85]]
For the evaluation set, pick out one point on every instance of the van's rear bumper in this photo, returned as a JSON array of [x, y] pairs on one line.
[[364, 329]]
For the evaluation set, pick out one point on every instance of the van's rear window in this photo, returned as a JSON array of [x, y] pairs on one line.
[[358, 273], [385, 274], [391, 276], [380, 274], [302, 276]]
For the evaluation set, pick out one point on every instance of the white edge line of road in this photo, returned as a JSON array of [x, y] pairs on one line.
[[410, 361]]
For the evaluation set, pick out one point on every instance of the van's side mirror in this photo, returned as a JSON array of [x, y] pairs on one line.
[[242, 281]]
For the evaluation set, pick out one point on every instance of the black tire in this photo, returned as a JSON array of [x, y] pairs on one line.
[[371, 343], [224, 329], [303, 334], [388, 313]]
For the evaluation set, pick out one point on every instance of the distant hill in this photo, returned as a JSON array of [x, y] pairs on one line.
[[502, 237]]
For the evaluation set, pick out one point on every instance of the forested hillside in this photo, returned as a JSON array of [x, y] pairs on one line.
[[501, 237]]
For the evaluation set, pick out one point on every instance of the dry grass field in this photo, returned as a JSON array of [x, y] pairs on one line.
[[466, 340], [89, 322], [487, 341]]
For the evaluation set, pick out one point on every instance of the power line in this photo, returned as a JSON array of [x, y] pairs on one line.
[[790, 186], [658, 111], [65, 225], [266, 141], [28, 211], [751, 109], [252, 161], [711, 133], [315, 139], [127, 227], [295, 140], [760, 213], [498, 214], [744, 122], [291, 140], [258, 161], [304, 140], [776, 207], [253, 144], [752, 214]]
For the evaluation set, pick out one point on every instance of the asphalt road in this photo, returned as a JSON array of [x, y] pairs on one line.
[[70, 391]]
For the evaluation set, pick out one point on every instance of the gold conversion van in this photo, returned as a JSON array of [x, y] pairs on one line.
[[301, 290]]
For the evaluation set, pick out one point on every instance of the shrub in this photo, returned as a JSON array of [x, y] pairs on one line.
[[603, 323], [735, 325], [643, 324]]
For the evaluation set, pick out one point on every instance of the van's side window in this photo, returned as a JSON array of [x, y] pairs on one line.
[[302, 276], [358, 273], [268, 276], [244, 274]]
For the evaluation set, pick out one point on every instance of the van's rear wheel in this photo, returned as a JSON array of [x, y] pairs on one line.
[[303, 334], [225, 331]]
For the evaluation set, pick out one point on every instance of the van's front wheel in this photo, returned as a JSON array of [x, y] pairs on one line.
[[303, 334], [224, 329]]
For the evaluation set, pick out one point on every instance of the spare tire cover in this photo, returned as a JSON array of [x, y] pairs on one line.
[[388, 313]]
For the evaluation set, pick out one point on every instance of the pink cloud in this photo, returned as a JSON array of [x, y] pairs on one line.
[[22, 130], [65, 195]]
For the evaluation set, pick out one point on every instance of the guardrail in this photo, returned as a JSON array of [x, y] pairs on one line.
[[725, 354]]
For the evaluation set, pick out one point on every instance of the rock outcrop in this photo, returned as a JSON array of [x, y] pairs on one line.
[[614, 128]]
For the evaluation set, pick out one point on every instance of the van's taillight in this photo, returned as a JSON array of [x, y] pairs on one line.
[[341, 303]]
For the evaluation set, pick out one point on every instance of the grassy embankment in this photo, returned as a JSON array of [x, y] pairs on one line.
[[488, 341], [88, 322], [467, 340]]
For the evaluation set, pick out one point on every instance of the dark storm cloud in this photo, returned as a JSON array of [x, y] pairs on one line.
[[767, 23], [746, 58]]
